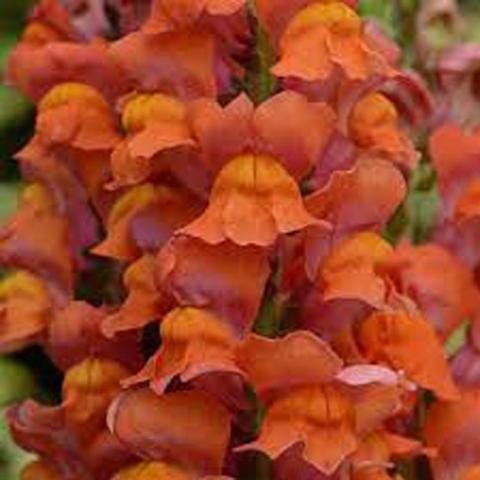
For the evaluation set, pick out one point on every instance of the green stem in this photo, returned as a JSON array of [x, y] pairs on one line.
[[261, 83]]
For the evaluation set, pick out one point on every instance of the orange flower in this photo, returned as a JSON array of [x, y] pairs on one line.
[[257, 188], [39, 470], [77, 115], [229, 279], [72, 438], [157, 128], [455, 158], [37, 239], [374, 127], [225, 133], [167, 15], [451, 428], [74, 333], [373, 458], [188, 428], [442, 287], [312, 404], [334, 32], [275, 14], [160, 471], [47, 165], [194, 343], [88, 389], [35, 69], [351, 270], [153, 471], [179, 63], [25, 309], [466, 207], [391, 338], [144, 218], [362, 198], [145, 301]]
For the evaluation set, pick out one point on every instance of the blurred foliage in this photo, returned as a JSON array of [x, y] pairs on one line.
[[16, 383], [16, 122]]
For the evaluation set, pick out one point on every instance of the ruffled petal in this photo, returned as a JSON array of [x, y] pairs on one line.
[[189, 428]]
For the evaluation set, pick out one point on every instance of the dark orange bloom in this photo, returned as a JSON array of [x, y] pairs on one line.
[[160, 471], [88, 389], [257, 188], [455, 157], [228, 279], [26, 307], [391, 338], [144, 218], [225, 133], [274, 364], [374, 127], [74, 333], [72, 438], [37, 239], [312, 404], [275, 14], [168, 15], [452, 429], [47, 165], [156, 129], [145, 301], [373, 458], [180, 63], [351, 270], [39, 470], [467, 205], [77, 115], [188, 428], [35, 69], [442, 287], [361, 198], [334, 32], [194, 342]]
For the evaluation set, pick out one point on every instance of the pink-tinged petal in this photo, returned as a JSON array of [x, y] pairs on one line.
[[221, 133], [36, 70], [442, 287], [298, 146], [74, 333], [300, 358], [38, 429], [451, 428], [228, 279], [177, 63], [366, 374], [189, 428], [48, 167], [362, 198], [169, 15]]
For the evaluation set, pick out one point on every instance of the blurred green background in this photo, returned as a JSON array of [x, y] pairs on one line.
[[16, 121]]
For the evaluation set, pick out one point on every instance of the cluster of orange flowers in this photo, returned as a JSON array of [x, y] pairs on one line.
[[247, 318]]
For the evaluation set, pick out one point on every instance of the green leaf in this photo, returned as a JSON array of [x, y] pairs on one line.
[[8, 199], [457, 339], [16, 381]]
